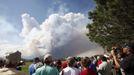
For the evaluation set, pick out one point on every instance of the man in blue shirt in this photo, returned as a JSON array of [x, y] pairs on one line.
[[32, 66]]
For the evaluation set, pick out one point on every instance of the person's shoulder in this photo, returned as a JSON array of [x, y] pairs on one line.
[[40, 69], [31, 65], [131, 56], [84, 72], [52, 68], [67, 68], [128, 58], [103, 64], [75, 69], [49, 67], [55, 69]]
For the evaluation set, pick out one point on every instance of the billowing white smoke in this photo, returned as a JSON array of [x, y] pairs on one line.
[[54, 33]]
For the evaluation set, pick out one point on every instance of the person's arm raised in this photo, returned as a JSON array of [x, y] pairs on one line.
[[116, 60]]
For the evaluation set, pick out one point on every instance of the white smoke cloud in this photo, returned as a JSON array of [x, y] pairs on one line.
[[55, 32], [60, 34], [28, 24]]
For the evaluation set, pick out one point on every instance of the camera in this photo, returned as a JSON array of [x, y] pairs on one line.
[[116, 50]]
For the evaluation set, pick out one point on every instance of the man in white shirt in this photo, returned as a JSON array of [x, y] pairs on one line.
[[70, 69], [105, 68]]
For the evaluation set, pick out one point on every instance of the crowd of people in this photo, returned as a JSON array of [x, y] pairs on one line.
[[119, 61]]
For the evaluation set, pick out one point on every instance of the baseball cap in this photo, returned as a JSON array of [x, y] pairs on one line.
[[47, 56]]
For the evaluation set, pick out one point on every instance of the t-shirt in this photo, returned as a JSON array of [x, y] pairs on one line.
[[47, 70], [64, 65], [31, 69], [70, 71], [93, 67], [99, 62], [87, 71], [128, 64]]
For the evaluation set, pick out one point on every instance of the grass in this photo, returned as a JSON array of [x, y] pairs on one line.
[[25, 67]]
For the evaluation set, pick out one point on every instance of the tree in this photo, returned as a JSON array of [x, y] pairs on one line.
[[112, 22]]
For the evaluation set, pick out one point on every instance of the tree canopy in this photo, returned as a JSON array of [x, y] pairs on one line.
[[112, 22]]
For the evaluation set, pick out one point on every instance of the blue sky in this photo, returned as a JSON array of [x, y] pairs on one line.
[[39, 8], [11, 12]]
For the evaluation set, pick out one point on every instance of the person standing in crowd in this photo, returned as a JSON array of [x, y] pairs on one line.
[[70, 69], [37, 65], [47, 69], [93, 65], [58, 65], [32, 66], [128, 62], [105, 67], [64, 64], [116, 54], [99, 61], [85, 62]]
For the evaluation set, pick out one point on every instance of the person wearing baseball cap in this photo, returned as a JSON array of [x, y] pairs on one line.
[[47, 69], [128, 62]]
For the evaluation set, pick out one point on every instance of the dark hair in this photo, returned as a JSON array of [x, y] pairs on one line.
[[103, 58], [48, 61], [36, 60], [130, 46], [85, 62], [71, 62]]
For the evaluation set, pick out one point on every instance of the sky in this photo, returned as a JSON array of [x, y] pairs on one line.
[[22, 21]]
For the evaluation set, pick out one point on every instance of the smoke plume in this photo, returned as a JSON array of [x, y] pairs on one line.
[[60, 35]]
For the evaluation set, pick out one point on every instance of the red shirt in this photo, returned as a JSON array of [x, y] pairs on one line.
[[99, 62], [87, 71], [64, 65]]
